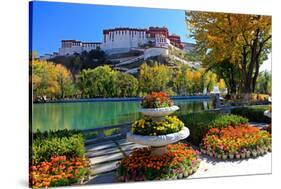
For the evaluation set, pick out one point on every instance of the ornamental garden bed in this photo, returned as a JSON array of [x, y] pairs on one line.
[[241, 141], [57, 159], [59, 171], [200, 123], [179, 162]]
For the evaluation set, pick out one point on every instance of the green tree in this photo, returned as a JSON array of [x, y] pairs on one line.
[[126, 85], [181, 85], [264, 82], [106, 82], [98, 82], [154, 78], [230, 73], [64, 80], [209, 80], [86, 60]]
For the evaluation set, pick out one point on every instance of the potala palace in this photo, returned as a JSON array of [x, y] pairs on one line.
[[157, 40]]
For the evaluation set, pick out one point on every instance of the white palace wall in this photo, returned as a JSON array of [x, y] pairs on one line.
[[155, 52], [123, 40]]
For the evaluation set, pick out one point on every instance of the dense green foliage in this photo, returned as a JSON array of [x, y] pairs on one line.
[[181, 81], [200, 123], [106, 82], [86, 60], [264, 83], [154, 78], [59, 143], [39, 135], [255, 113], [53, 81]]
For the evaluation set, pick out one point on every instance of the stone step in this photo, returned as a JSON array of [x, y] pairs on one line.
[[106, 151], [130, 147], [259, 125], [100, 146], [106, 158], [123, 142], [103, 167], [105, 178]]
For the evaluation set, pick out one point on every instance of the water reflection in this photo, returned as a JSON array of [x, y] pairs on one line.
[[97, 114]]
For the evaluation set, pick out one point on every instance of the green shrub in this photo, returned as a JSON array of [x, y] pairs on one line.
[[200, 123], [255, 113], [54, 134], [46, 145]]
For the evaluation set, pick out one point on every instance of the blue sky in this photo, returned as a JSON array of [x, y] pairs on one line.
[[52, 22]]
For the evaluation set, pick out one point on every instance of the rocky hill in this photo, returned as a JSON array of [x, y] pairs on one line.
[[128, 62]]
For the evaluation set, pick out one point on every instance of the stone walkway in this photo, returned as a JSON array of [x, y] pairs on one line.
[[105, 156]]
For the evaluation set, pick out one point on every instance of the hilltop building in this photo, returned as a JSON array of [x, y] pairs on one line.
[[119, 40], [69, 47]]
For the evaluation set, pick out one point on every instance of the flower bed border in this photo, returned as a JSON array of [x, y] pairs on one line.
[[248, 154]]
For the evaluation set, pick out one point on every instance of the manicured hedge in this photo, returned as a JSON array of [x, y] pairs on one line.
[[255, 113], [59, 143], [200, 123]]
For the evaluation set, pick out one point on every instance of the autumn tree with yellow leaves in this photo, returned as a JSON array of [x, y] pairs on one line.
[[50, 80], [241, 40], [154, 78]]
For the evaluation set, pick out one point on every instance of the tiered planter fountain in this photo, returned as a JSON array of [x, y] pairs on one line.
[[161, 159], [159, 143]]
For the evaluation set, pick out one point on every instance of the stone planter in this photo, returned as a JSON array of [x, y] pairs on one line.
[[243, 155], [248, 154], [158, 143], [254, 153], [269, 148], [158, 113], [237, 156], [180, 176], [219, 156], [224, 156], [231, 156]]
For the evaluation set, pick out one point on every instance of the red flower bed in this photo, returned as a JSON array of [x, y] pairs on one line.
[[59, 171], [156, 100], [180, 161]]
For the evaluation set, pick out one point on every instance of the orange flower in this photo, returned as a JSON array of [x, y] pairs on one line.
[[45, 173]]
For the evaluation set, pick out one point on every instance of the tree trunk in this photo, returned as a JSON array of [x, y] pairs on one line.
[[248, 87], [255, 76]]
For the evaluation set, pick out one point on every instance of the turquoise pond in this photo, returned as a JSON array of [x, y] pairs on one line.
[[85, 115]]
